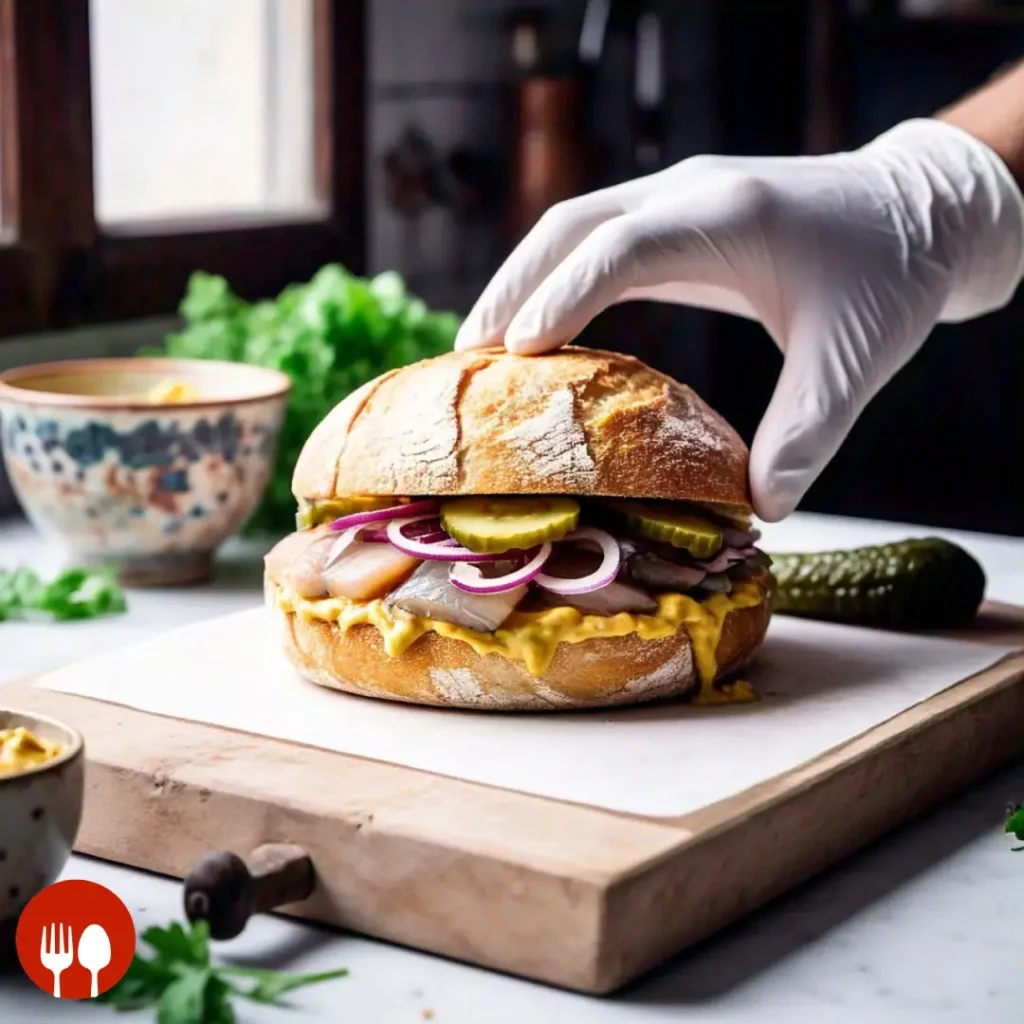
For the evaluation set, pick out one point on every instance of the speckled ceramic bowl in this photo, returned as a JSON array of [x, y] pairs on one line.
[[150, 488], [40, 811]]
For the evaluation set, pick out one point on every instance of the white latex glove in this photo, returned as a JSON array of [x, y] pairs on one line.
[[848, 261]]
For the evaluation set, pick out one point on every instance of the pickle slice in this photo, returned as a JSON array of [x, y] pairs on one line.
[[493, 525], [327, 510], [735, 516], [681, 528]]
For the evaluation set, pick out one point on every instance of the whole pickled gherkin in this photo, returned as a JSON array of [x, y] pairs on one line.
[[925, 583]]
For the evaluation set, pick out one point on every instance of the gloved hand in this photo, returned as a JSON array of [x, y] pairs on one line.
[[848, 261]]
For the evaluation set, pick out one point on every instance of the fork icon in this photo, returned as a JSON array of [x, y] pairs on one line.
[[58, 955]]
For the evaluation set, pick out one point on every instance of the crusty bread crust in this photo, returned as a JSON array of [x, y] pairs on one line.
[[577, 421], [439, 670]]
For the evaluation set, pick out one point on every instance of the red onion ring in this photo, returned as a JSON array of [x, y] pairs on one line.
[[383, 515], [446, 550], [603, 575], [429, 535], [469, 578], [735, 538]]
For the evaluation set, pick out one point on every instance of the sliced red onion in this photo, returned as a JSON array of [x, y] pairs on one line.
[[446, 550], [437, 537], [428, 529], [722, 561], [469, 578], [383, 515], [717, 564], [603, 575], [736, 538], [429, 535]]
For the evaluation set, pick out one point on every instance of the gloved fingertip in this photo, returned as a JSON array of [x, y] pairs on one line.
[[775, 487], [773, 507], [531, 345], [468, 342], [469, 334], [521, 339]]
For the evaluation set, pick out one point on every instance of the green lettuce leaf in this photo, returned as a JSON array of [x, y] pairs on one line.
[[330, 335]]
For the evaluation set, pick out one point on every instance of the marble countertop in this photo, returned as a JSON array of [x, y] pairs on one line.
[[921, 926]]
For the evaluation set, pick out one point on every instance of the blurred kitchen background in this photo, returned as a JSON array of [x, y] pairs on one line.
[[144, 139]]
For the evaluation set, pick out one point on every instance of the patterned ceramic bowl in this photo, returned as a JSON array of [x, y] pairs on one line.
[[125, 479], [40, 811]]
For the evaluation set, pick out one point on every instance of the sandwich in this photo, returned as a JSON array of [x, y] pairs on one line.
[[492, 531]]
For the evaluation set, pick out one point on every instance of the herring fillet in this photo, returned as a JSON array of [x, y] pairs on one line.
[[364, 571], [428, 593], [609, 600]]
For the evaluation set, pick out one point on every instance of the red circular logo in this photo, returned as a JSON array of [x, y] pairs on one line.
[[75, 939]]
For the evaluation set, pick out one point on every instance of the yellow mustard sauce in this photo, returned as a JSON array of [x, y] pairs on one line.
[[533, 637], [171, 392], [737, 692], [21, 750]]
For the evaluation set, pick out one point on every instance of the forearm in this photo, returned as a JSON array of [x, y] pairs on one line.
[[995, 115]]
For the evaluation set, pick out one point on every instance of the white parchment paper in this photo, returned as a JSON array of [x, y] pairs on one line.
[[821, 684]]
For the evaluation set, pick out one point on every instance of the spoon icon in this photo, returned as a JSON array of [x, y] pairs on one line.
[[94, 953]]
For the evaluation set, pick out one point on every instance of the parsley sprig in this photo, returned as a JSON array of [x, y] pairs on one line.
[[74, 594], [184, 987], [1015, 824]]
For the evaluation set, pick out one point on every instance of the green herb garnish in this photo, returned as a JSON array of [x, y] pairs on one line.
[[179, 981], [74, 594], [1015, 824], [329, 335]]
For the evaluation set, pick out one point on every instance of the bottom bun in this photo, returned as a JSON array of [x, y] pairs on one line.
[[438, 670]]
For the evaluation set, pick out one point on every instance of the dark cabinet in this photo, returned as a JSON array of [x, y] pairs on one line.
[[943, 444]]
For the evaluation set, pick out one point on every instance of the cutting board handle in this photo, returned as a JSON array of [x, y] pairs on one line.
[[225, 890]]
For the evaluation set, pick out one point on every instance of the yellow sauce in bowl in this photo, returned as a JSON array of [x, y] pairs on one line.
[[21, 750], [172, 392]]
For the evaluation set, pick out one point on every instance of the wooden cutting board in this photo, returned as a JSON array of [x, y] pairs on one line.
[[568, 894]]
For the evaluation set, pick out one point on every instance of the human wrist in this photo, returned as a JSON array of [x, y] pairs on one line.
[[993, 114], [962, 206]]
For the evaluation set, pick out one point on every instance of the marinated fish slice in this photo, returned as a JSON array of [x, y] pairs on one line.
[[610, 600], [305, 573], [660, 574], [718, 583], [429, 593], [573, 562], [363, 571], [279, 558]]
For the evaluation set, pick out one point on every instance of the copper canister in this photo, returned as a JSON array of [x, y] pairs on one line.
[[550, 158]]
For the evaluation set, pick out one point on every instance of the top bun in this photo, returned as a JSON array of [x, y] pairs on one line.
[[576, 421]]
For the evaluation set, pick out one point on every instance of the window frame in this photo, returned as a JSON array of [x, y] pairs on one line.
[[59, 268]]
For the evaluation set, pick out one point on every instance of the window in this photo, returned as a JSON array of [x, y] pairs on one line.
[[141, 140]]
